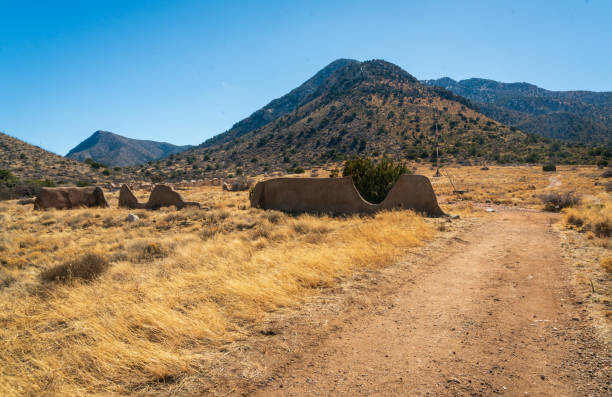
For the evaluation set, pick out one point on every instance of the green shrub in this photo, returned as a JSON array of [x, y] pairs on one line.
[[83, 183], [373, 180], [7, 178], [549, 168], [12, 187]]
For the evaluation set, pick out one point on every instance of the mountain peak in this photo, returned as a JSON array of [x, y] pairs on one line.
[[112, 149]]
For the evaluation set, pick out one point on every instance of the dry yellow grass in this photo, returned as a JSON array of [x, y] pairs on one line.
[[181, 284], [594, 216], [587, 235], [514, 185]]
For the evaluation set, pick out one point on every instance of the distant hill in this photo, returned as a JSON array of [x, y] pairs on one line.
[[29, 162], [579, 116], [116, 150], [371, 108]]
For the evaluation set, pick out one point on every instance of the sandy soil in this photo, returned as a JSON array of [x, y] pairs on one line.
[[491, 312]]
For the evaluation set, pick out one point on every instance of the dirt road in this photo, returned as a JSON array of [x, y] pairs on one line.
[[496, 316]]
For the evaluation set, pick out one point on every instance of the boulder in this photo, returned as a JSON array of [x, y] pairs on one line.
[[132, 218], [70, 197]]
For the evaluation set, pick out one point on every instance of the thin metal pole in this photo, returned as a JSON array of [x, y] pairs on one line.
[[437, 151]]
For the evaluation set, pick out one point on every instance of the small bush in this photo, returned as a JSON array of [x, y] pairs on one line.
[[373, 180], [86, 268], [607, 174], [606, 263], [7, 178], [556, 201], [83, 183], [148, 252], [6, 282], [549, 168], [275, 217], [94, 164], [296, 170], [603, 228], [592, 218]]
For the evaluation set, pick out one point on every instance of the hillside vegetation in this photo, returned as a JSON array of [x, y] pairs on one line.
[[579, 116], [27, 163]]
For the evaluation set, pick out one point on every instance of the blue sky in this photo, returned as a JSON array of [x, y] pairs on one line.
[[183, 71]]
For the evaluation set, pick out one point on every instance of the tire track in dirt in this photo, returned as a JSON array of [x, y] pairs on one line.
[[496, 316]]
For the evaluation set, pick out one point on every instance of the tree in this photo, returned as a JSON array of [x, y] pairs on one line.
[[373, 180]]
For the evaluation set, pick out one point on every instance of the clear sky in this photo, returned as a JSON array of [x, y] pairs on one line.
[[183, 71]]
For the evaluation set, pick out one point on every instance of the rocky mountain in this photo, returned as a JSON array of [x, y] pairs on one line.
[[281, 106], [371, 108], [579, 116], [115, 150]]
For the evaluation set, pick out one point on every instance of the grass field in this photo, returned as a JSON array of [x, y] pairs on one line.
[[179, 285], [93, 304]]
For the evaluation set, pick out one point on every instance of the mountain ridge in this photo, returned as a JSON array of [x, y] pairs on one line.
[[371, 108], [578, 116], [115, 150]]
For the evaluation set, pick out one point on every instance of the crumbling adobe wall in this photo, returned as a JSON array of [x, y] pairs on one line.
[[127, 199], [413, 192], [70, 197], [161, 196], [339, 196]]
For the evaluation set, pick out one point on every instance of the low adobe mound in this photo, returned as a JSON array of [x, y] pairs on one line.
[[161, 196], [70, 197], [127, 198], [165, 196], [339, 196]]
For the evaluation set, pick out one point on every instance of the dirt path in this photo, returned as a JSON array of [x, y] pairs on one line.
[[494, 317]]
